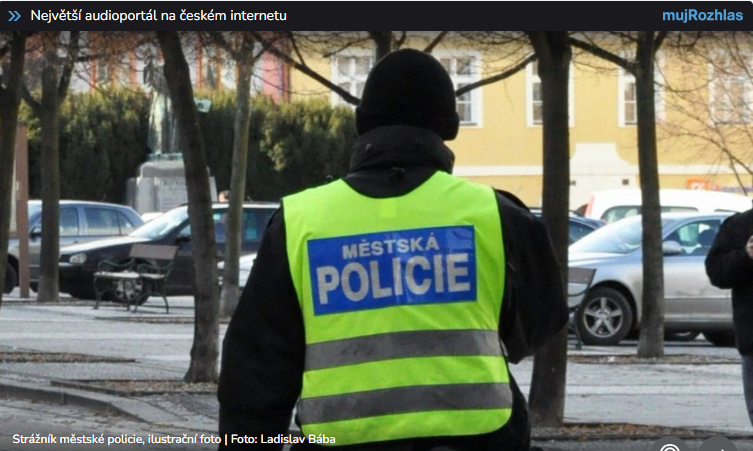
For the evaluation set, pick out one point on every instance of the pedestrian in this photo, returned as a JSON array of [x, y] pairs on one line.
[[387, 305], [729, 264], [224, 196]]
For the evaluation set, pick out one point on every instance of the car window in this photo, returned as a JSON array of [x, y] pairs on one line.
[[624, 211], [126, 226], [220, 219], [578, 231], [162, 225], [696, 237], [254, 223], [101, 221], [616, 213], [69, 222], [619, 238], [677, 209]]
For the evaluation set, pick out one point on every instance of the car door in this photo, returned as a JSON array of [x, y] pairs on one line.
[[691, 300], [180, 281], [70, 233]]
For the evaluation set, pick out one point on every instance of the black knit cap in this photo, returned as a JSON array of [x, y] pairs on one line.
[[409, 87]]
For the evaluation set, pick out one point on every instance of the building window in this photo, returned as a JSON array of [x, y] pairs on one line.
[[103, 72], [731, 92], [349, 72], [463, 70], [627, 97], [535, 98]]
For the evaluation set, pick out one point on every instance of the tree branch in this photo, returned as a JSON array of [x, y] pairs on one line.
[[660, 40], [269, 47], [220, 41], [430, 48], [399, 42], [295, 48], [501, 76], [604, 54], [70, 61], [35, 106]]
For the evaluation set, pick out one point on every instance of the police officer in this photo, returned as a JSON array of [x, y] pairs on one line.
[[386, 306]]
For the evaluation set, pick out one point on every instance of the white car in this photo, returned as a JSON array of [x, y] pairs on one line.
[[616, 204], [246, 262]]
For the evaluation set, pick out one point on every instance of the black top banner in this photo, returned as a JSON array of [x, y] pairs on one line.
[[356, 15]]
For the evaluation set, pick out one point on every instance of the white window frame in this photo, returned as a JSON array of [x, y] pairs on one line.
[[476, 95], [714, 79], [532, 79], [352, 78], [624, 78]]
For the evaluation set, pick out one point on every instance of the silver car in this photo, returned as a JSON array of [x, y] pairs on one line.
[[80, 221], [610, 310]]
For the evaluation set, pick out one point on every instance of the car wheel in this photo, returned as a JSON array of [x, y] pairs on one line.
[[11, 279], [684, 336], [720, 338], [605, 317], [129, 290]]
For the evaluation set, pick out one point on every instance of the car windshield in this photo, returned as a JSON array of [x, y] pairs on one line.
[[162, 225], [621, 237], [34, 208]]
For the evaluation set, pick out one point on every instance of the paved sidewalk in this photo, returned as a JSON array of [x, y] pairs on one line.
[[707, 397]]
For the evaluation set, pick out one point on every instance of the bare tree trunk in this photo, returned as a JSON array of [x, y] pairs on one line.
[[245, 63], [382, 42], [50, 174], [547, 396], [10, 101], [651, 343], [205, 349]]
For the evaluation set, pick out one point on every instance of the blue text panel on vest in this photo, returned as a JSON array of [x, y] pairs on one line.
[[385, 269]]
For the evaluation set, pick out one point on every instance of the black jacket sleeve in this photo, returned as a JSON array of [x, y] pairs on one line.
[[263, 350], [535, 304], [727, 263]]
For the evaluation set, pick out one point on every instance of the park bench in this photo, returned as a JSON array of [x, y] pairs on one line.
[[579, 281], [135, 280]]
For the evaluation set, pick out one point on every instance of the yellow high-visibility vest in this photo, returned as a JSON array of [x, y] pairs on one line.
[[401, 300]]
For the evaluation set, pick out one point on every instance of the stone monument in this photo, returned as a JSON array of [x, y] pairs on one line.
[[161, 183]]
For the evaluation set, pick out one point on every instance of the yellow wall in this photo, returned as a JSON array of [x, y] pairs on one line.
[[511, 149]]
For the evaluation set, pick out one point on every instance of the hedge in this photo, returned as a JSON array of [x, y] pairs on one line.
[[103, 138]]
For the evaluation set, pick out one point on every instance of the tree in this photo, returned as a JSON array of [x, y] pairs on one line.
[[56, 77], [552, 48], [10, 101], [240, 47], [711, 99], [205, 348], [643, 45]]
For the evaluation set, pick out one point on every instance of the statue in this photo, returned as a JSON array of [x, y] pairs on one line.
[[163, 137]]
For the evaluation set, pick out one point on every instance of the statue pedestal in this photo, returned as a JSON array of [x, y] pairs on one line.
[[160, 186]]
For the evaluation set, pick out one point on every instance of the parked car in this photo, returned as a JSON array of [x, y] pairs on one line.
[[579, 226], [245, 264], [615, 204], [79, 262], [80, 222], [610, 309]]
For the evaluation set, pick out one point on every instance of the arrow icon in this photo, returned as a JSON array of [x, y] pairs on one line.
[[14, 16]]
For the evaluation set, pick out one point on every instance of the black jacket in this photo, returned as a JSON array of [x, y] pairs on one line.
[[263, 351], [729, 266]]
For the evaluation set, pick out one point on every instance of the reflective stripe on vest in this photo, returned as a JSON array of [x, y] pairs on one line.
[[401, 309]]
